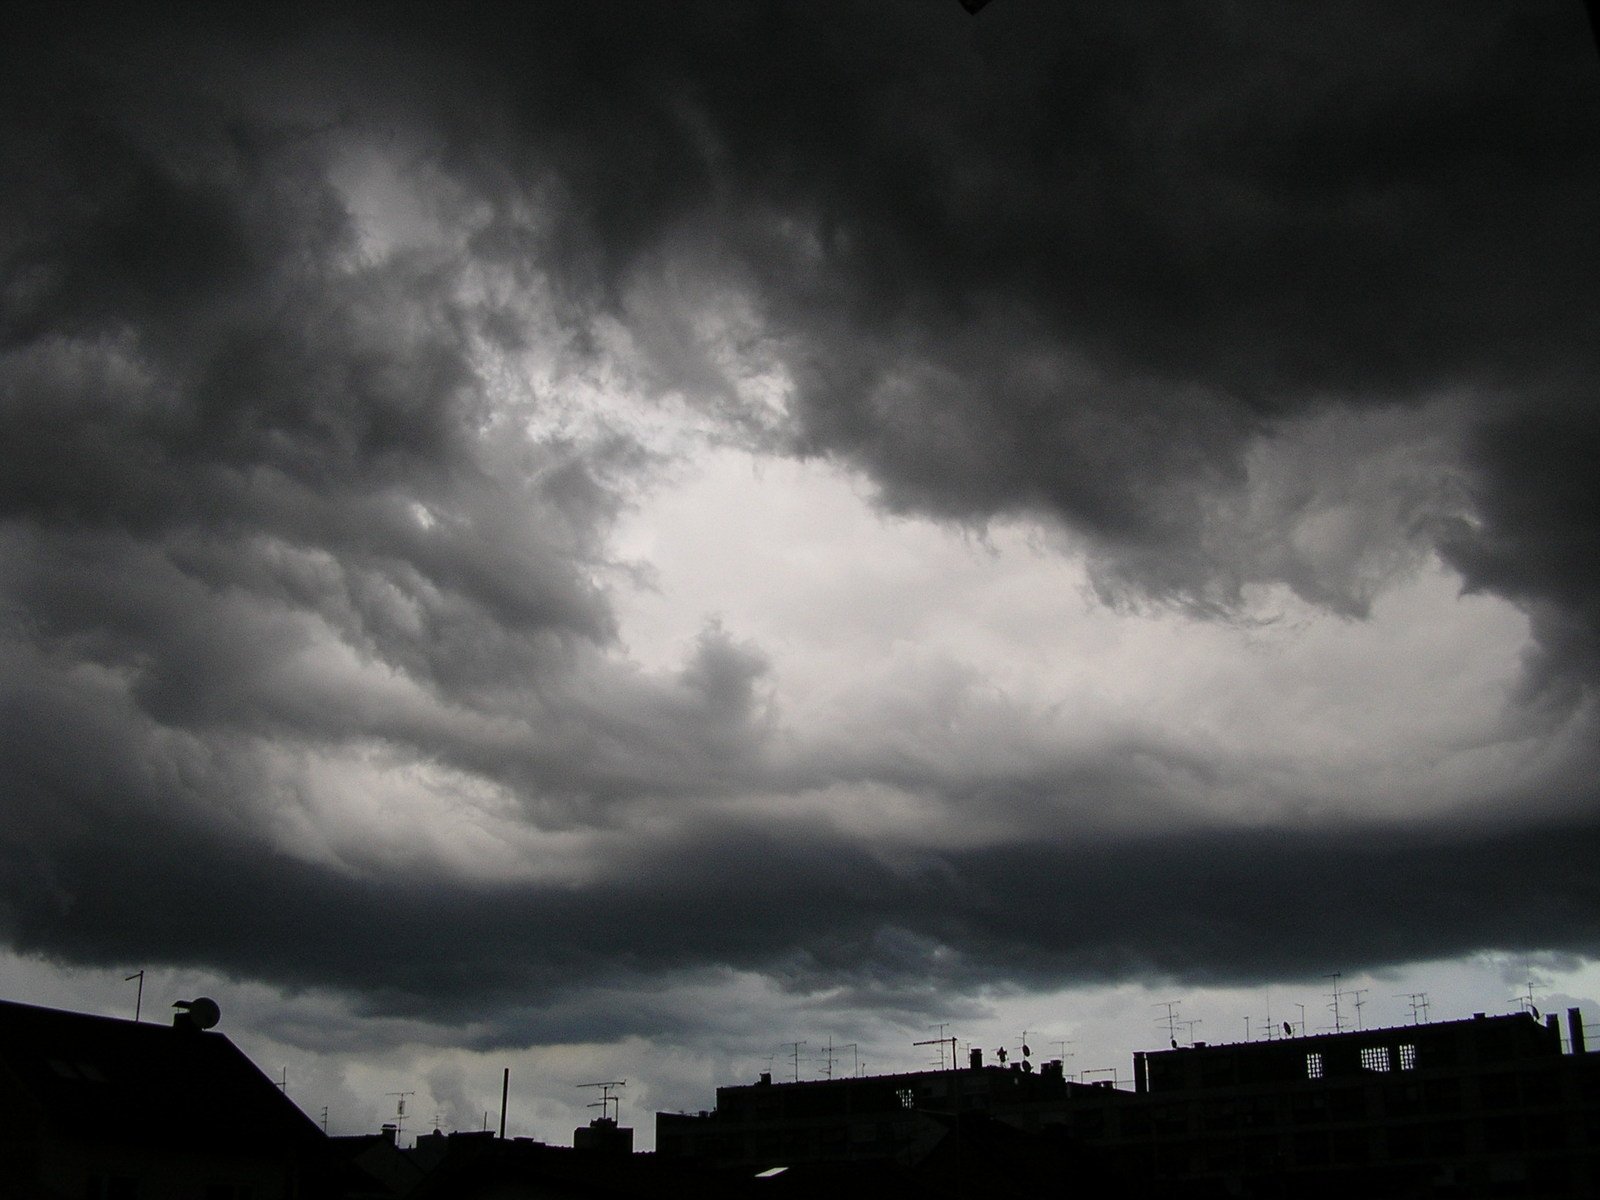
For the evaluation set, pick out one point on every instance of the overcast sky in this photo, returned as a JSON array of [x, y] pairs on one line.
[[613, 537]]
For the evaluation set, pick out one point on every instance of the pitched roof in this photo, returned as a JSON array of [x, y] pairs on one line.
[[105, 1078]]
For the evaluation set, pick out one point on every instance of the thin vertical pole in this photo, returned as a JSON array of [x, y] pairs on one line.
[[505, 1090], [138, 1003]]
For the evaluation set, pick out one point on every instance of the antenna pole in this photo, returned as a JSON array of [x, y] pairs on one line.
[[939, 1042], [399, 1111], [1338, 1019], [505, 1088], [1172, 1017], [607, 1100], [138, 1000], [794, 1049]]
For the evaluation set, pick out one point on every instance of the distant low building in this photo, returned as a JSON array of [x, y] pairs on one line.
[[899, 1118], [1477, 1108], [112, 1109]]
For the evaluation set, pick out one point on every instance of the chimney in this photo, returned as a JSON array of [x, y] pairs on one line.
[[1575, 1030], [975, 1058], [388, 1133]]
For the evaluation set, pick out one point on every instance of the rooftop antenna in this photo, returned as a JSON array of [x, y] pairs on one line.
[[399, 1113], [325, 1120], [1272, 1028], [1338, 1017], [1358, 993], [794, 1048], [855, 1057], [827, 1063], [1302, 1009], [1526, 1001], [1172, 1019], [138, 1000], [1188, 1027], [1247, 1027], [1061, 1045], [606, 1098], [283, 1081], [940, 1042]]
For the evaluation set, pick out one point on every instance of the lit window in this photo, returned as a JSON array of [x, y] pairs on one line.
[[1408, 1057], [1313, 1066], [1375, 1058], [908, 1098]]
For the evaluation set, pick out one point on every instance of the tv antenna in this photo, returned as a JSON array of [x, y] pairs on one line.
[[1172, 1019], [794, 1049], [399, 1112], [1061, 1045], [1188, 1027], [1302, 1009], [827, 1062], [855, 1057], [324, 1120], [138, 1000], [940, 1042], [1526, 1001], [283, 1081], [607, 1102], [1336, 995], [1419, 1004], [1359, 994]]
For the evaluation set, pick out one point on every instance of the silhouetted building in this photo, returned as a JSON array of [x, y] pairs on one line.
[[100, 1107], [877, 1118], [1476, 1108], [603, 1136], [1483, 1107]]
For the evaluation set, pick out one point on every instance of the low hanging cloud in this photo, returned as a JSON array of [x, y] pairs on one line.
[[331, 355]]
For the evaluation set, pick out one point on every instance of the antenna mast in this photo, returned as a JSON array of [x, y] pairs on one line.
[[939, 1042], [1338, 1018], [606, 1098], [399, 1111], [138, 1001], [1172, 1019], [794, 1048]]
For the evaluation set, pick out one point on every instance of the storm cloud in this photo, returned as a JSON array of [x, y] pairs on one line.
[[337, 347]]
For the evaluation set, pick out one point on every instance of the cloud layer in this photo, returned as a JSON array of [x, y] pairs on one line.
[[334, 357]]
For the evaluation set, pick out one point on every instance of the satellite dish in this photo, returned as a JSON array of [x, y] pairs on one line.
[[1174, 1043], [1535, 1009], [1288, 1029], [1027, 1052], [200, 1013]]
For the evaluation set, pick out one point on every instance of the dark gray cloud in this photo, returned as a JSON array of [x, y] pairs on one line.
[[812, 913], [1105, 265]]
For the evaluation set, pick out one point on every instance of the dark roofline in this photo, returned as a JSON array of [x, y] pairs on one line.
[[1522, 1020]]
